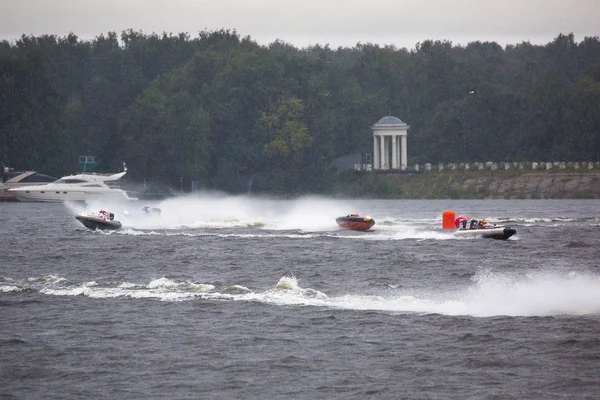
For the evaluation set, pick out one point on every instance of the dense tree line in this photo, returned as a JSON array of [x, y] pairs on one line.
[[226, 113]]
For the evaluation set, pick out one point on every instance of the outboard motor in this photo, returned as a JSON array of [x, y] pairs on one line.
[[112, 216]]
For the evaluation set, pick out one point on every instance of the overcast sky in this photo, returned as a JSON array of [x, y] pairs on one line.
[[402, 23]]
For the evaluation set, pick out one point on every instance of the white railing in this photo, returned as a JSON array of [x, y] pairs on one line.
[[489, 165]]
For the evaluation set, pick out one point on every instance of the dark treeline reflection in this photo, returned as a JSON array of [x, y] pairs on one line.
[[225, 112]]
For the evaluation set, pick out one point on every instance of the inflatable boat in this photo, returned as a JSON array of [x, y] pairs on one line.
[[355, 222], [467, 227], [489, 232], [103, 221]]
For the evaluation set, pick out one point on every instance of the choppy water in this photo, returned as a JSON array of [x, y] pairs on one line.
[[237, 297]]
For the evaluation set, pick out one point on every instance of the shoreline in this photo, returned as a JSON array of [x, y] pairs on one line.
[[487, 184]]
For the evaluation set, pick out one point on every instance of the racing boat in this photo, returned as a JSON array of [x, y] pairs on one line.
[[465, 227], [103, 220], [151, 210], [355, 222], [490, 232]]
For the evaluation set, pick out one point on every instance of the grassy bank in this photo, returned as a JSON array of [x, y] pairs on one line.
[[484, 184]]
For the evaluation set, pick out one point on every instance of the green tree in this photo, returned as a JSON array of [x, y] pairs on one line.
[[287, 137]]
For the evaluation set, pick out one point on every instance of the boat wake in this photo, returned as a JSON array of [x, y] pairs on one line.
[[489, 294], [216, 214], [214, 211], [244, 217]]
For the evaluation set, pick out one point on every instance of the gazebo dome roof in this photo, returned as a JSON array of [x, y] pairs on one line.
[[389, 120]]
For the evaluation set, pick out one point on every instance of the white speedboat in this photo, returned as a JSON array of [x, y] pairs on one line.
[[14, 179], [79, 187]]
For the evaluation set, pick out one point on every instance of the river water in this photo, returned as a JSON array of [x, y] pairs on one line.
[[243, 297]]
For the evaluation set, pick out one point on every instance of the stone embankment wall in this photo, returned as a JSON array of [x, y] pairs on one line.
[[527, 180], [474, 184], [525, 185]]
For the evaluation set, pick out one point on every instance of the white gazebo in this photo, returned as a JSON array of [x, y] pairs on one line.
[[388, 151]]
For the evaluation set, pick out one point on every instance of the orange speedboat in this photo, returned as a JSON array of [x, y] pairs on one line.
[[355, 222]]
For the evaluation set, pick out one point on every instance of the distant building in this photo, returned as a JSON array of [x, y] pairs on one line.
[[388, 151]]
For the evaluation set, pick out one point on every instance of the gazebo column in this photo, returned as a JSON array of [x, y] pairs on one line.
[[399, 152], [404, 161], [382, 148], [393, 155], [398, 164], [375, 153]]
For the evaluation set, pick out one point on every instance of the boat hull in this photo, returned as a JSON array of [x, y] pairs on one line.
[[5, 195], [80, 187], [94, 222], [498, 232], [59, 196], [355, 223], [12, 179]]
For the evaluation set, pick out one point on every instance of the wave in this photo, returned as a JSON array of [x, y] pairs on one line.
[[490, 294]]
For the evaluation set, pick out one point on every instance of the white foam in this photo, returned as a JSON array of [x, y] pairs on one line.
[[489, 294], [162, 283], [8, 289], [215, 210], [534, 294], [48, 279], [205, 213]]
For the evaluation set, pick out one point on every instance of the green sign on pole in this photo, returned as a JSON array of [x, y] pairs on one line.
[[87, 163]]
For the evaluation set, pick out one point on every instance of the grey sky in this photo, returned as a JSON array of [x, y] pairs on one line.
[[307, 22]]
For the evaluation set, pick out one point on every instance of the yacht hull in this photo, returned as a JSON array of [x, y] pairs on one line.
[[5, 195], [12, 179], [75, 196], [78, 188]]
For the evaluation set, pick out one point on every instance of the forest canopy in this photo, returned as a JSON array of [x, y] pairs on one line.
[[222, 111]]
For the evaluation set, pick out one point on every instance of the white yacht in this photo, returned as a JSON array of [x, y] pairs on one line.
[[85, 186], [14, 179]]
